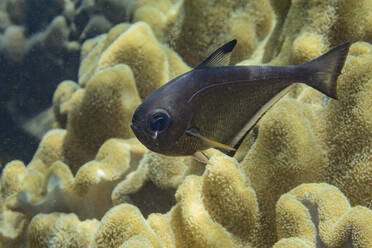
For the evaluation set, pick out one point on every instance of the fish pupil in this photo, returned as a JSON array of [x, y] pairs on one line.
[[159, 122]]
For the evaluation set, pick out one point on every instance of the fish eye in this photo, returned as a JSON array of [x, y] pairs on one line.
[[159, 121]]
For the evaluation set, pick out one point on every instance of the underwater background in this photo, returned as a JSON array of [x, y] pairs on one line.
[[72, 72]]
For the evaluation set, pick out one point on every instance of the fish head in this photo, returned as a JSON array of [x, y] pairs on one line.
[[159, 125]]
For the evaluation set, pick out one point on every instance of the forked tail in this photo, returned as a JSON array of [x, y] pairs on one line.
[[326, 69]]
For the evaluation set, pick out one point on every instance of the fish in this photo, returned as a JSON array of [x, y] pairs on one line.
[[215, 104]]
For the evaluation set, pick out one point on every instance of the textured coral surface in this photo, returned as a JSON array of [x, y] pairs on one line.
[[302, 177]]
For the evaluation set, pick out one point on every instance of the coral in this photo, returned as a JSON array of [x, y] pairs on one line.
[[128, 49], [319, 215], [97, 25], [16, 10], [301, 178], [72, 169], [4, 21], [168, 172], [152, 186], [37, 51], [39, 125], [136, 242], [47, 185], [121, 223], [104, 108], [151, 62], [216, 210], [60, 102], [9, 183], [194, 28], [349, 128], [82, 193], [13, 43], [60, 230], [306, 29], [113, 10], [70, 162], [280, 158], [13, 225], [220, 209]]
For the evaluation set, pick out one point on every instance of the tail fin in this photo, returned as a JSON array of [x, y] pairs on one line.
[[326, 69]]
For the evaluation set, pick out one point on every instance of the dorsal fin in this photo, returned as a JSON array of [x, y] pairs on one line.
[[220, 57]]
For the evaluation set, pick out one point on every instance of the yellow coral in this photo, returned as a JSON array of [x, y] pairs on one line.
[[320, 215], [308, 46], [60, 102], [137, 242], [201, 219], [153, 184], [195, 28], [132, 183], [349, 128], [311, 27], [193, 226], [60, 230], [168, 172], [161, 226], [154, 16], [229, 199], [104, 109], [92, 50], [11, 178], [280, 158], [138, 48], [49, 150], [13, 225], [88, 193], [355, 21], [120, 224]]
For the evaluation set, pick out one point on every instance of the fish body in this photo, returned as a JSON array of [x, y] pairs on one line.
[[215, 105]]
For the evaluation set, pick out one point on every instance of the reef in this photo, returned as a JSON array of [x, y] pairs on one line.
[[40, 44], [302, 177]]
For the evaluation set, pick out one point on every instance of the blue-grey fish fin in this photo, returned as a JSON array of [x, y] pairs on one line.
[[326, 69], [220, 57]]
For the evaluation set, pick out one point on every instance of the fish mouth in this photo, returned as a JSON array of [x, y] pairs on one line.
[[134, 128], [140, 134], [146, 139]]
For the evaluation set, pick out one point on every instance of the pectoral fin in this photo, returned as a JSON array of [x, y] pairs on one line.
[[212, 143]]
